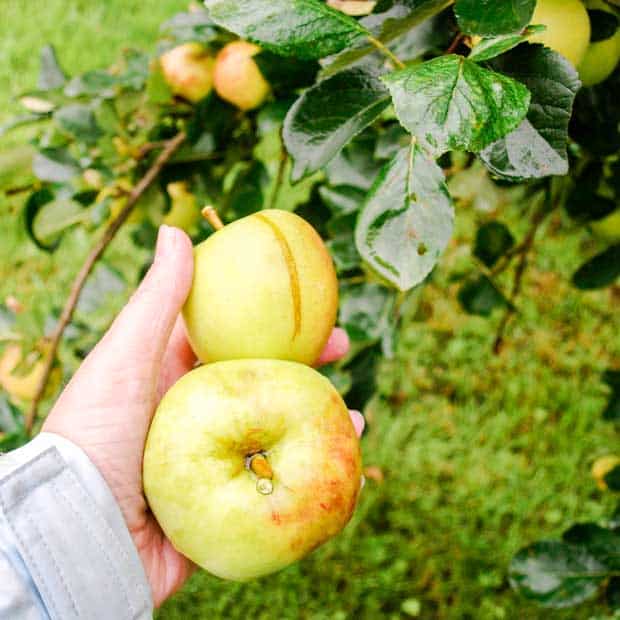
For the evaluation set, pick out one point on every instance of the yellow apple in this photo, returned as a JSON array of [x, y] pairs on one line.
[[22, 386], [237, 78], [568, 27], [601, 57], [184, 211], [250, 465], [601, 467], [608, 228], [188, 70], [264, 286]]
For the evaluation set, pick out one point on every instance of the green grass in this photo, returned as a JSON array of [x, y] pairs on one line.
[[480, 454]]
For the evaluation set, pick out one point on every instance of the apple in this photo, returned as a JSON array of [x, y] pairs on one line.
[[608, 228], [237, 78], [568, 27], [188, 70], [264, 286], [601, 57], [184, 212], [601, 467], [249, 465], [22, 386]]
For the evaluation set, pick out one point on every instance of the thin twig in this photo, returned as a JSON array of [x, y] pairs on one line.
[[455, 43], [387, 52], [279, 178], [80, 279], [523, 249]]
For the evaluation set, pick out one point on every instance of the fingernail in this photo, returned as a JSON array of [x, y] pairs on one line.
[[362, 481], [358, 421], [165, 240]]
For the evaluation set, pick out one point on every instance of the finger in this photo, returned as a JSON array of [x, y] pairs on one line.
[[337, 346], [142, 330], [178, 360], [358, 421]]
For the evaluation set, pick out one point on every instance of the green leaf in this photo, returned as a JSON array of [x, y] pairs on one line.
[[286, 74], [355, 164], [55, 165], [493, 240], [602, 543], [35, 202], [451, 103], [92, 84], [79, 121], [364, 310], [495, 46], [612, 410], [493, 17], [612, 378], [19, 121], [537, 148], [556, 574], [600, 271], [481, 297], [345, 254], [409, 22], [342, 199], [328, 115], [612, 480], [407, 220], [51, 76], [307, 29], [56, 216], [191, 26]]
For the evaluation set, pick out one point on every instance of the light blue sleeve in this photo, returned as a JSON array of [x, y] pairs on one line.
[[65, 551]]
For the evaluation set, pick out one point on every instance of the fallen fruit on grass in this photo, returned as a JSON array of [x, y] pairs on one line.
[[249, 465], [568, 27], [601, 467], [188, 70], [264, 286], [18, 383], [237, 78]]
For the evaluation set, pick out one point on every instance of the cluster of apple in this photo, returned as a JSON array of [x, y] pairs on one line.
[[569, 32], [252, 460], [192, 72]]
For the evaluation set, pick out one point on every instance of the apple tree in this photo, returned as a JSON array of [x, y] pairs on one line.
[[372, 120]]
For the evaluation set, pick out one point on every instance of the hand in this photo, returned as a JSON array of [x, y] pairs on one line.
[[107, 407]]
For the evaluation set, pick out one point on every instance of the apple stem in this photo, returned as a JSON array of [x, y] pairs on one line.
[[210, 214], [260, 466]]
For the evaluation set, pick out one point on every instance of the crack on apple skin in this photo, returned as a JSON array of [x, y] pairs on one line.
[[291, 267]]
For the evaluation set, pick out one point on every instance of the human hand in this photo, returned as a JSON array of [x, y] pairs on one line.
[[107, 407]]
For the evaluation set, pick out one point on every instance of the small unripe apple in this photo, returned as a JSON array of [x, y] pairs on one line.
[[250, 465], [184, 211], [601, 57], [601, 467], [237, 78], [568, 27], [264, 286], [608, 228], [188, 70], [22, 386]]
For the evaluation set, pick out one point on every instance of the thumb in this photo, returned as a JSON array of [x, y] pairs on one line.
[[143, 328]]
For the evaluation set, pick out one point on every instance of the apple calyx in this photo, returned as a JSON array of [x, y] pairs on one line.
[[259, 465]]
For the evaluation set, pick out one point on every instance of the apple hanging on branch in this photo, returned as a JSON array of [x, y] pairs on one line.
[[188, 71]]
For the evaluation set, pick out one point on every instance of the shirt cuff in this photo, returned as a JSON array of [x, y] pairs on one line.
[[69, 532]]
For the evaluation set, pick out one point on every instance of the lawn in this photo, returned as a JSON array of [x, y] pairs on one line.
[[472, 454]]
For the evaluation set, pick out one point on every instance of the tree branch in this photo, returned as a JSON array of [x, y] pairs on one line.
[[523, 250], [109, 233]]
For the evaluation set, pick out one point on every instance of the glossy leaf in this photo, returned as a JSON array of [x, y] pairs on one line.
[[342, 199], [493, 17], [452, 103], [556, 574], [55, 165], [79, 120], [51, 75], [600, 271], [495, 46], [601, 542], [56, 216], [364, 310], [493, 240], [345, 254], [354, 165], [537, 148], [195, 25], [480, 296], [328, 115], [407, 220], [307, 29]]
